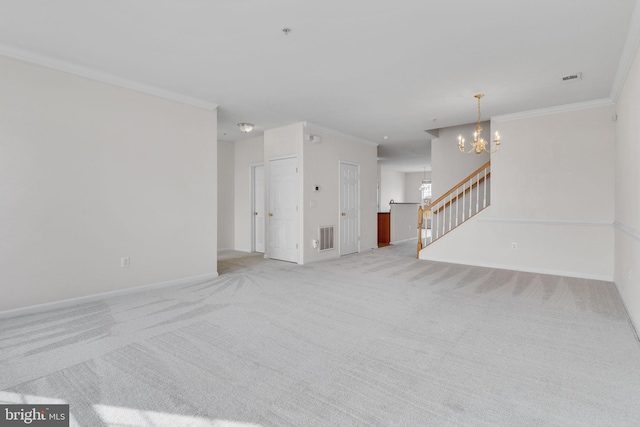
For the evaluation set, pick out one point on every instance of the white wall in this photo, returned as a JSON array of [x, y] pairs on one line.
[[283, 141], [404, 222], [627, 194], [90, 173], [448, 165], [247, 152], [226, 209], [552, 194], [322, 168], [392, 186]]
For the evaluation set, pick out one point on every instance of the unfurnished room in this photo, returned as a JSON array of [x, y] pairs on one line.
[[219, 213]]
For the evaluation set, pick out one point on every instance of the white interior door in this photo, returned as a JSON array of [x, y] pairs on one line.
[[349, 208], [258, 208], [283, 209]]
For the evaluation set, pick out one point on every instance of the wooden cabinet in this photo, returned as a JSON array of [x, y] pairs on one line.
[[384, 228]]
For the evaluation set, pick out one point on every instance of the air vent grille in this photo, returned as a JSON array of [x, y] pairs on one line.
[[572, 77], [326, 238]]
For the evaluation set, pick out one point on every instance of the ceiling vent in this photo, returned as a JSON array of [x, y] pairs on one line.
[[572, 78]]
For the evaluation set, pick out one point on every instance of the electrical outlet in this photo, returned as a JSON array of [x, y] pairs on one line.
[[514, 246], [125, 262]]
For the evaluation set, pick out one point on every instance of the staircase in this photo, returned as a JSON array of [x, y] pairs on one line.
[[452, 209]]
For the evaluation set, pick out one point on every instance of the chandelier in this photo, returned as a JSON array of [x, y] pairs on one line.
[[479, 144], [425, 188], [426, 184]]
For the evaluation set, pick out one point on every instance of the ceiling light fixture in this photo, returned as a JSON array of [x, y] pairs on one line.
[[245, 127], [479, 144], [425, 181], [425, 188]]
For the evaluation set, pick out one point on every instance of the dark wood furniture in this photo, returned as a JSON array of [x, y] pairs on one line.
[[384, 228]]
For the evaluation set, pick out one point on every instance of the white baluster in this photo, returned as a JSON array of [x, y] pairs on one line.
[[450, 210], [439, 217], [470, 196], [444, 218], [464, 186], [433, 220], [478, 193], [484, 202], [457, 203]]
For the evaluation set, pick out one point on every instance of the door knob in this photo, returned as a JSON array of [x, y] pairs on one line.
[[255, 213], [344, 214], [270, 214]]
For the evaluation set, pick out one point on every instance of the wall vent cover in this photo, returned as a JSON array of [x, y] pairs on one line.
[[326, 237], [572, 78]]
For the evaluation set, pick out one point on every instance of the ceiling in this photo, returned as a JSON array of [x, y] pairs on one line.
[[363, 68]]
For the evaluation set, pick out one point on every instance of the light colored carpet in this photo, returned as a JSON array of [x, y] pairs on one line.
[[374, 339]]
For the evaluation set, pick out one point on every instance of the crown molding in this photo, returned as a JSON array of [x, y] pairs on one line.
[[554, 110], [100, 76], [628, 54]]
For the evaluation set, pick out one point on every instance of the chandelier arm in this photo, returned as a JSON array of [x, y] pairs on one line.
[[492, 150], [471, 150]]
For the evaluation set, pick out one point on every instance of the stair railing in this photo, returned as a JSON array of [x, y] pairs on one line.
[[461, 202]]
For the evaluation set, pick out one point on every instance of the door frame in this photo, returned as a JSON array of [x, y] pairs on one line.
[[252, 180], [359, 214]]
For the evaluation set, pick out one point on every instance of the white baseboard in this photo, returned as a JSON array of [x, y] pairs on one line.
[[404, 240], [316, 260], [527, 269], [335, 256], [38, 308], [626, 309]]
